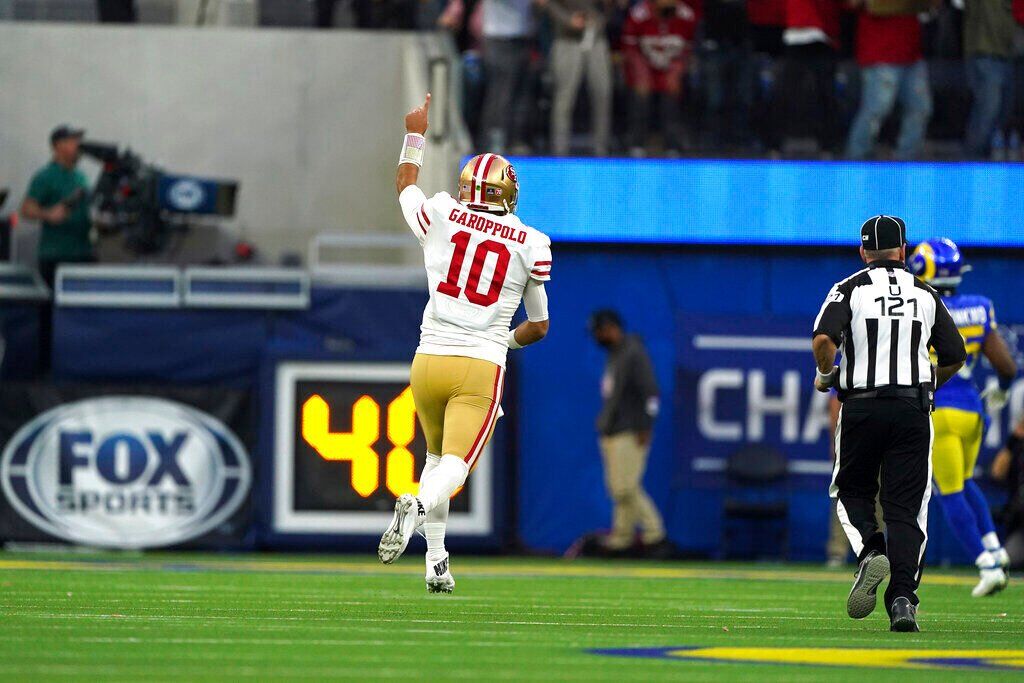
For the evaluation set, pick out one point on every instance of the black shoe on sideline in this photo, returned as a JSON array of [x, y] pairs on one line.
[[873, 570], [904, 616]]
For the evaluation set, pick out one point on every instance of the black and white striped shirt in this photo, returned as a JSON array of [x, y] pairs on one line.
[[884, 321]]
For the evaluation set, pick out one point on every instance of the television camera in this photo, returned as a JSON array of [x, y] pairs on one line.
[[146, 204]]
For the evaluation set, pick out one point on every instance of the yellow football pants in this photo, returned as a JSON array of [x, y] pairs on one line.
[[958, 436], [457, 401]]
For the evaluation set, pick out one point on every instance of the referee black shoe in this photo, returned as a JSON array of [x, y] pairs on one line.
[[904, 616], [872, 571]]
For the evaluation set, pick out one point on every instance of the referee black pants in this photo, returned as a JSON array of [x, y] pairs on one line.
[[887, 441]]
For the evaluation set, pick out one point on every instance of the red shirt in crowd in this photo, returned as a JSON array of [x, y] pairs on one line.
[[888, 40], [819, 14], [657, 45]]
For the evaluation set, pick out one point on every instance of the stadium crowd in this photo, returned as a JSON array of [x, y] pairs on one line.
[[855, 79]]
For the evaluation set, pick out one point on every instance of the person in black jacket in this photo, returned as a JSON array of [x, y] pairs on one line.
[[630, 394]]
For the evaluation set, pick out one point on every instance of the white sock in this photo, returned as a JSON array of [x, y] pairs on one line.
[[991, 541], [985, 561], [437, 519], [431, 463], [444, 480], [434, 533]]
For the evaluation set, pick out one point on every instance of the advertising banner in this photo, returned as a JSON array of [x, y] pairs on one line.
[[115, 467], [749, 381]]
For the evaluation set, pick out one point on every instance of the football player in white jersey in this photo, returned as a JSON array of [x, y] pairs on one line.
[[481, 261]]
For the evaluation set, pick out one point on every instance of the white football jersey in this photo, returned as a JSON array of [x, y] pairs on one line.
[[478, 265]]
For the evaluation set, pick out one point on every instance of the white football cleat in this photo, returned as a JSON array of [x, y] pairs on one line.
[[992, 581], [409, 515], [439, 576]]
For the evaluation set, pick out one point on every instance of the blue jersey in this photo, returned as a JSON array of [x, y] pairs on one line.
[[976, 319]]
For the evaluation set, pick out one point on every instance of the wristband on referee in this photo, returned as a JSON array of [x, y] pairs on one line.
[[412, 149], [1006, 381], [826, 378], [512, 343]]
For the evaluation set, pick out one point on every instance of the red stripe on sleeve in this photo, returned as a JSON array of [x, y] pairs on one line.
[[422, 227], [423, 213]]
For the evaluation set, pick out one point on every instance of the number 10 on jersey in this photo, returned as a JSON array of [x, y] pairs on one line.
[[471, 290]]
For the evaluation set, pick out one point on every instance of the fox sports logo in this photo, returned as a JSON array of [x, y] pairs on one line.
[[125, 472]]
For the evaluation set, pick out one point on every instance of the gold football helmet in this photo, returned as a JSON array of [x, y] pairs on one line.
[[489, 183]]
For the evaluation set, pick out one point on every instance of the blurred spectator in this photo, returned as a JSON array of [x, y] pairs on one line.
[[58, 196], [891, 68], [1008, 469], [464, 19], [116, 11], [988, 49], [580, 45], [806, 81], [767, 21], [630, 393], [328, 14], [377, 14], [729, 72], [507, 34], [657, 41]]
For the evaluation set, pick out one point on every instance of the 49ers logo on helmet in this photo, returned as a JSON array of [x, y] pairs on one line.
[[511, 174]]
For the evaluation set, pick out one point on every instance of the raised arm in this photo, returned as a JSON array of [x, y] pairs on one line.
[[412, 150]]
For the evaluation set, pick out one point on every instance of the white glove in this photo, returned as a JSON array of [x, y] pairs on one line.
[[995, 399]]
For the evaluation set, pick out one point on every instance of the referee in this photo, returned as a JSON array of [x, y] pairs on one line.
[[884, 320]]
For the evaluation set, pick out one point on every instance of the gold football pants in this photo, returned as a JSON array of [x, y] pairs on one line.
[[457, 401]]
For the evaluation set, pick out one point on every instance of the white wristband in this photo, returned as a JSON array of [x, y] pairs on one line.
[[412, 149], [512, 343], [826, 379]]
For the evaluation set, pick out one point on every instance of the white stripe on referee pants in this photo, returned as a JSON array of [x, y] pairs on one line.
[[833, 491], [922, 513]]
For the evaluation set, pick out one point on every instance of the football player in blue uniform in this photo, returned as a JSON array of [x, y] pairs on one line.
[[959, 417]]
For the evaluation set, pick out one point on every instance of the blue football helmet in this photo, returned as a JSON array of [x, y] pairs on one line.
[[938, 262]]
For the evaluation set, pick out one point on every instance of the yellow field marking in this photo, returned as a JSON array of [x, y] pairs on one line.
[[709, 571], [858, 657]]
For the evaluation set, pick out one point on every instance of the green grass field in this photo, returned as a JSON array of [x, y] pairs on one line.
[[206, 617]]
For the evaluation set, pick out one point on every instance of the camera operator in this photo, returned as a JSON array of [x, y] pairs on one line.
[[58, 196]]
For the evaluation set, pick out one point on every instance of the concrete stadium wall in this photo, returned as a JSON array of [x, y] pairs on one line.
[[310, 122]]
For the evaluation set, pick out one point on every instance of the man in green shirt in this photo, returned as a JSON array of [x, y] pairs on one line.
[[58, 196]]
